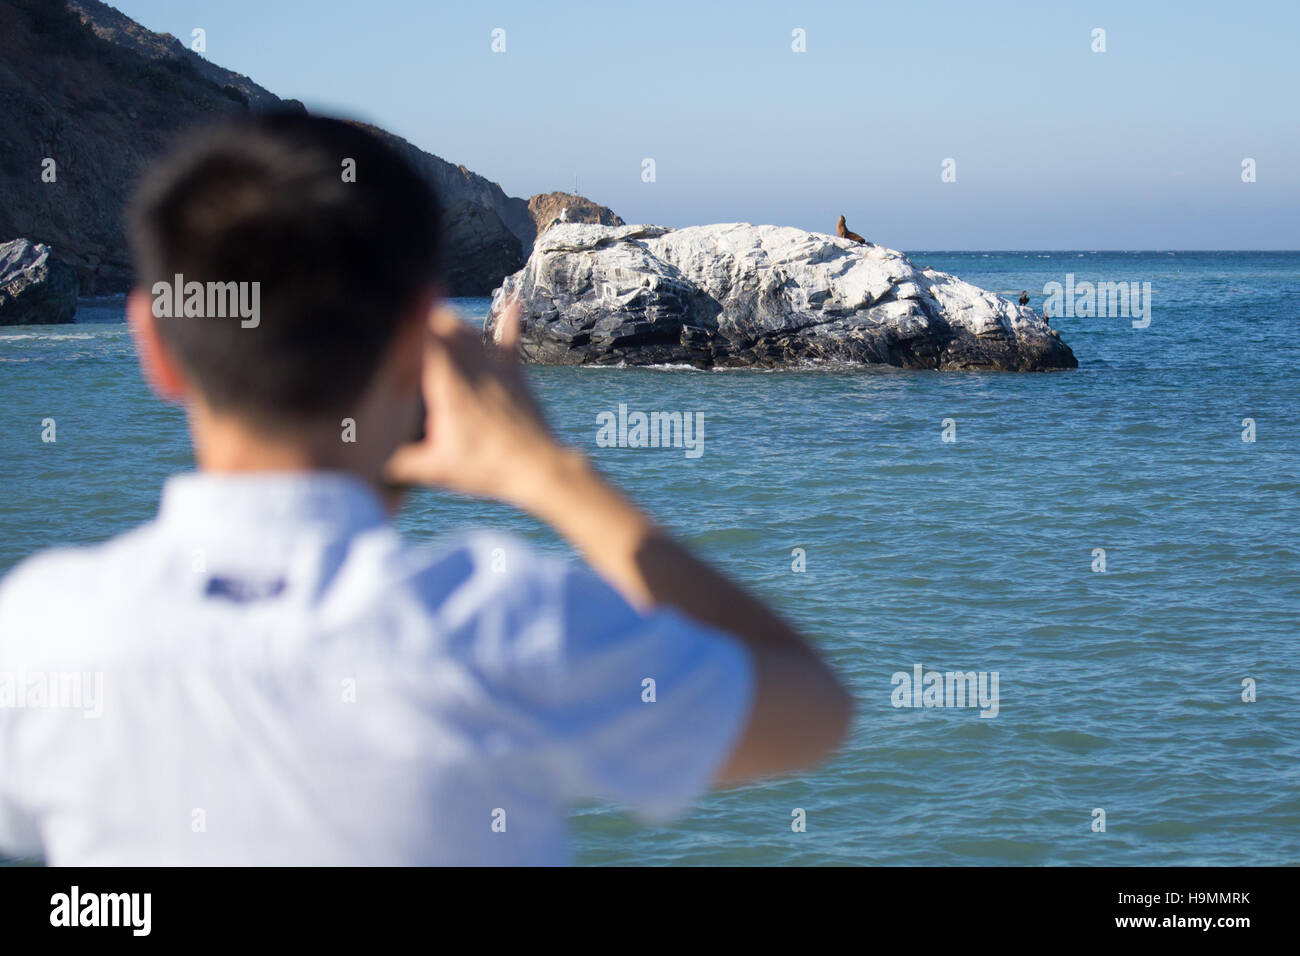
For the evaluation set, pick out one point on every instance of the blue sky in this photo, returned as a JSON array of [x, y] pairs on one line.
[[1139, 147]]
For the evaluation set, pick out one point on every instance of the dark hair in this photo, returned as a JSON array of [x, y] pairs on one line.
[[265, 199]]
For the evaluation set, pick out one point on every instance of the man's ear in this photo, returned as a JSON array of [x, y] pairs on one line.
[[156, 363]]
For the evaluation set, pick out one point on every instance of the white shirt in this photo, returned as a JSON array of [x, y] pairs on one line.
[[268, 674]]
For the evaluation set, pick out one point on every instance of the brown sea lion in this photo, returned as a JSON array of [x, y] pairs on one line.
[[842, 231]]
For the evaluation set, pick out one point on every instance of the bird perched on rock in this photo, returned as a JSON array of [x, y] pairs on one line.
[[1024, 297], [842, 231]]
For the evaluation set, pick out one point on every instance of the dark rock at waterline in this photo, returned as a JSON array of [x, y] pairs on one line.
[[35, 287], [736, 295]]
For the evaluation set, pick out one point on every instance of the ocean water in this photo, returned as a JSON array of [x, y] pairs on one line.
[[1119, 690]]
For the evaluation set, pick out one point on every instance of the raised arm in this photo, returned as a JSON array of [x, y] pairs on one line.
[[485, 436]]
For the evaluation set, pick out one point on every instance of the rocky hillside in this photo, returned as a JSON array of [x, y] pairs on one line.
[[88, 87], [120, 30]]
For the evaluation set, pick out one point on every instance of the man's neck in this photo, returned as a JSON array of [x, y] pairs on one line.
[[226, 444]]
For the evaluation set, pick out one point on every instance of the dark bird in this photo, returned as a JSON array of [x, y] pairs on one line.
[[842, 231], [1024, 297]]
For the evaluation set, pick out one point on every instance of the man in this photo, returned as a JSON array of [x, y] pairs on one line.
[[266, 673]]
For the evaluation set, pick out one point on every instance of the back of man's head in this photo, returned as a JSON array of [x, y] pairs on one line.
[[338, 230]]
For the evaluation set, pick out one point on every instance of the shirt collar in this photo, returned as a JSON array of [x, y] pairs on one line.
[[330, 501]]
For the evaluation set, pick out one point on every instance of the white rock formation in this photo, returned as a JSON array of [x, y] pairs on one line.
[[733, 294]]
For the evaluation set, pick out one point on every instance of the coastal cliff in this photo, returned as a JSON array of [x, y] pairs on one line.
[[86, 87]]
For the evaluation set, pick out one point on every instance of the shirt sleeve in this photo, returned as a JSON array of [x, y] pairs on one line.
[[641, 709]]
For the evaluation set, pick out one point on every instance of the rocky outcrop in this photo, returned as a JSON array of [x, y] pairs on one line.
[[480, 249], [548, 209], [89, 88], [735, 295], [35, 288]]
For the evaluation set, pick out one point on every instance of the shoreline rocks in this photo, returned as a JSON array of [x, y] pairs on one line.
[[734, 295], [35, 288]]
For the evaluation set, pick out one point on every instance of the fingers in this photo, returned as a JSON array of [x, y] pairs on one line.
[[449, 331], [445, 324], [453, 347], [403, 468], [509, 329], [458, 358]]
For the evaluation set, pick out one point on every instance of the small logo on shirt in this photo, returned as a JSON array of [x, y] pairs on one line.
[[243, 590]]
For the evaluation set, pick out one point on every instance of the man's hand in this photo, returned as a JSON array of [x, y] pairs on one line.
[[484, 434]]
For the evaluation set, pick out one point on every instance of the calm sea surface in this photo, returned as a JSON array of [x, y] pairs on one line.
[[1118, 690]]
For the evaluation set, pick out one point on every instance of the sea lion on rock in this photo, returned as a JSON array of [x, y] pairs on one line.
[[842, 231]]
